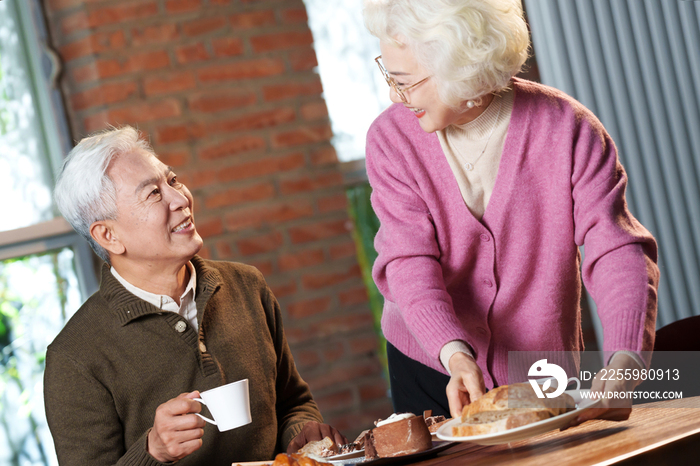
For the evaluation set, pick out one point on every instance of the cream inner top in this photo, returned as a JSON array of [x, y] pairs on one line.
[[463, 144]]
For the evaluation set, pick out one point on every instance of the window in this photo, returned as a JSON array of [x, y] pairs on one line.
[[45, 268], [354, 90], [355, 93]]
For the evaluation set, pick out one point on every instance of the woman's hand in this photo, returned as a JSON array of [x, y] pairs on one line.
[[466, 384], [314, 431], [610, 408]]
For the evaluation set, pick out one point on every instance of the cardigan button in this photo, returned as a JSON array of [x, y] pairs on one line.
[[181, 326], [488, 283], [202, 347], [481, 330], [485, 238]]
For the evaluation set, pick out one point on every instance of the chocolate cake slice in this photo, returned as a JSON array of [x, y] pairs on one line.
[[399, 435]]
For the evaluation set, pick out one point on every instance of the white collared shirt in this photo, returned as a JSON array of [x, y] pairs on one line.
[[187, 307]]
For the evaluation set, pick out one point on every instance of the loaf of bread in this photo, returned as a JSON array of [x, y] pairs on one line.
[[508, 407]]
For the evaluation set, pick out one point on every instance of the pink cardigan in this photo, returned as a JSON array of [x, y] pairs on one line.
[[510, 282]]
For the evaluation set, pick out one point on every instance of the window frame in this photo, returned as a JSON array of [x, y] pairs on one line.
[[44, 68]]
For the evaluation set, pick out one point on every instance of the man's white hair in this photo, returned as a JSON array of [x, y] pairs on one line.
[[470, 47], [84, 193]]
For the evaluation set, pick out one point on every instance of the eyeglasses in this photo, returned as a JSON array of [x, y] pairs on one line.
[[392, 83]]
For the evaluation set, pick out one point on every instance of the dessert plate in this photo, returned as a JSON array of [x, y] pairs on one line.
[[524, 432], [361, 453], [438, 446], [345, 456]]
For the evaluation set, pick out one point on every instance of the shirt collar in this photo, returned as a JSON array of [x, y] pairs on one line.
[[157, 299]]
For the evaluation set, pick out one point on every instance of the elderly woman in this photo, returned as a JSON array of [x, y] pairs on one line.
[[486, 185]]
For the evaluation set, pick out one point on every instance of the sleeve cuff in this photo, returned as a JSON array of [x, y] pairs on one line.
[[632, 355], [138, 454], [449, 350]]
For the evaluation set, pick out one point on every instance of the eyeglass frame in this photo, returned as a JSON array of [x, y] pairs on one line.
[[392, 82]]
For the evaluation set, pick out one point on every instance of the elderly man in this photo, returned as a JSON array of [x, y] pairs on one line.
[[122, 376]]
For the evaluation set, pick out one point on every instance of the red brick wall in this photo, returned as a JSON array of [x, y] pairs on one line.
[[227, 92]]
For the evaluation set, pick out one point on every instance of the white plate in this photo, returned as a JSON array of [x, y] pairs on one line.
[[438, 446], [524, 432], [345, 456]]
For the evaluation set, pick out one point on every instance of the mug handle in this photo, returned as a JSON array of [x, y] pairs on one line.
[[578, 382], [204, 417]]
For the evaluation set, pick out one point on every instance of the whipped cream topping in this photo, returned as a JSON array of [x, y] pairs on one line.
[[394, 418]]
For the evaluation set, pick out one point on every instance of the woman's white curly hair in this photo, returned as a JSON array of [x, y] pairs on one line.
[[470, 47]]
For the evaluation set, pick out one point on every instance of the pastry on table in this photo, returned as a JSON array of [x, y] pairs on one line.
[[357, 445], [323, 448], [434, 422], [295, 459]]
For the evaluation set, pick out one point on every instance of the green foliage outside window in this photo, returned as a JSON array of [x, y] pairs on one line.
[[30, 317], [366, 227], [4, 98]]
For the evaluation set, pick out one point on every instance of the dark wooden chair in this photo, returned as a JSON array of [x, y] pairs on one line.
[[677, 357], [681, 335]]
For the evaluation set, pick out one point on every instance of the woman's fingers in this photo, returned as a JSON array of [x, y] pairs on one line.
[[466, 384]]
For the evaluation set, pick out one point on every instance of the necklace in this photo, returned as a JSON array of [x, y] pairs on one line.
[[470, 165]]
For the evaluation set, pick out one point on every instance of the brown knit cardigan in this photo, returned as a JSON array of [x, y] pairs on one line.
[[119, 358]]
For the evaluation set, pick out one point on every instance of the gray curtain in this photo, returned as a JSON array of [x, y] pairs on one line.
[[636, 65]]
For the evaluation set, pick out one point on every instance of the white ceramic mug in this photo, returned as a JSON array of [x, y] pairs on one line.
[[555, 383], [229, 405]]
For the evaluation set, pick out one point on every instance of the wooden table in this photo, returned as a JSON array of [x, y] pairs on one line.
[[666, 432], [656, 434]]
